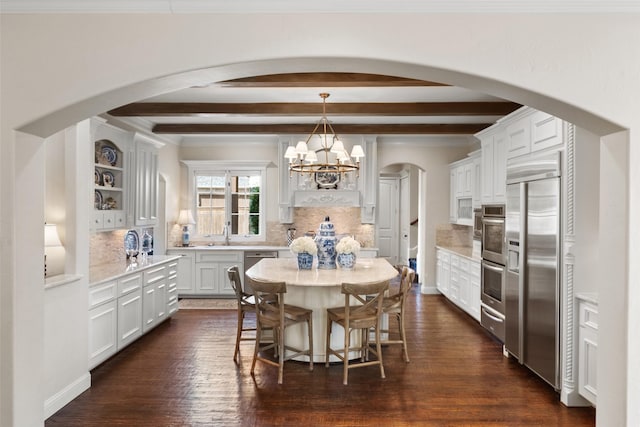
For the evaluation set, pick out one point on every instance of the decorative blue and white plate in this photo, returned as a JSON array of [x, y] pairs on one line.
[[110, 154], [98, 200]]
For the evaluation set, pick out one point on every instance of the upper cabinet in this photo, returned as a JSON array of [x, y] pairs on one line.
[[521, 133], [529, 131], [465, 188], [111, 157], [145, 188], [126, 178]]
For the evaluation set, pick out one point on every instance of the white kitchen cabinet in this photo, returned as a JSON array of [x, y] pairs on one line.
[[588, 350], [129, 318], [461, 176], [454, 280], [154, 297], [110, 160], [494, 166], [546, 131], [145, 193], [453, 212], [173, 269], [518, 137], [476, 194], [458, 278], [443, 272], [211, 271], [186, 284], [528, 131], [117, 307], [103, 322]]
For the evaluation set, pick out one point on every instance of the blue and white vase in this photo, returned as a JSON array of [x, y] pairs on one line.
[[326, 242], [346, 261], [305, 261]]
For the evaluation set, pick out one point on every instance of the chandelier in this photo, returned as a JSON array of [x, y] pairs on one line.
[[304, 160]]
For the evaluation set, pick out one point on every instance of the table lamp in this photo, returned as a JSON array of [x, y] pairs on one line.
[[51, 240], [185, 219]]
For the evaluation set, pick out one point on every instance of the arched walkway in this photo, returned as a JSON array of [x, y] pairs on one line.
[[22, 157]]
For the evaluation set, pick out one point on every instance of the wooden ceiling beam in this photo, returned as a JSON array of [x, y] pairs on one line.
[[325, 80], [175, 109], [341, 129]]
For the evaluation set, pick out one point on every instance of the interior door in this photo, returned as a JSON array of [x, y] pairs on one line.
[[387, 223], [404, 220]]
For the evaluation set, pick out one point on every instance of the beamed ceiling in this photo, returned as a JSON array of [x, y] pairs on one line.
[[290, 104]]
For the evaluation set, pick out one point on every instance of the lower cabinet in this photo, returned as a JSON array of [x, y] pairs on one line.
[[172, 287], [458, 279], [129, 318], [121, 310], [211, 271], [185, 282], [154, 297], [588, 350], [103, 333]]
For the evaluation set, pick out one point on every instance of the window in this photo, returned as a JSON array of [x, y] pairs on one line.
[[228, 198]]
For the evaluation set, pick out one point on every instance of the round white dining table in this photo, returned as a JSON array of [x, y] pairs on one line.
[[319, 289]]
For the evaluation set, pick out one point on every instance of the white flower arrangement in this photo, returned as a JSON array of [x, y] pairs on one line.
[[304, 244], [348, 245]]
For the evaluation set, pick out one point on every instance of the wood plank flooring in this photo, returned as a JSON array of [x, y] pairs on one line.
[[182, 374]]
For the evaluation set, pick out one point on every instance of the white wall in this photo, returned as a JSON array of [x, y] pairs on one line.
[[586, 198], [59, 69]]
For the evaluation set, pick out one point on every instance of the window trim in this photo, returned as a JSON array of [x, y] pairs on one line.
[[223, 166]]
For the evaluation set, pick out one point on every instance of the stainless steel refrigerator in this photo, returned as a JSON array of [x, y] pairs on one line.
[[532, 228]]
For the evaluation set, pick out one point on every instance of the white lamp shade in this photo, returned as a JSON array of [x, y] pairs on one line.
[[290, 153], [337, 147], [357, 152], [186, 217], [51, 238], [311, 157], [301, 148]]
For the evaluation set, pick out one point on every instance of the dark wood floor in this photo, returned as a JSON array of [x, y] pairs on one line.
[[182, 374]]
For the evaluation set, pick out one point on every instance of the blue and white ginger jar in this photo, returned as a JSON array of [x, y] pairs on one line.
[[326, 242]]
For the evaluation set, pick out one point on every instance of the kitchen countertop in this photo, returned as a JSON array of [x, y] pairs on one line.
[[220, 247], [114, 270], [465, 251]]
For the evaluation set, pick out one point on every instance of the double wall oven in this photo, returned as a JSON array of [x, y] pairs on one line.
[[494, 256]]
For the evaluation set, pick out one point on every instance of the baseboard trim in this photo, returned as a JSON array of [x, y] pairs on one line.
[[429, 290], [66, 395]]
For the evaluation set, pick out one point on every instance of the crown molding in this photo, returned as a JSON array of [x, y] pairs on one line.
[[326, 6]]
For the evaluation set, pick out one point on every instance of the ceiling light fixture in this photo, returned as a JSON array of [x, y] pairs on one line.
[[305, 160]]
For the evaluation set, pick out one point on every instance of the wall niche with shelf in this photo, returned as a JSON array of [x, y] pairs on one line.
[[110, 160]]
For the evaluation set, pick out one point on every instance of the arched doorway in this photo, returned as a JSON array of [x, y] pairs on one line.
[[98, 104]]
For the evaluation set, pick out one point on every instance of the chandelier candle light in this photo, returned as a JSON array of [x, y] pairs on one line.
[[303, 160]]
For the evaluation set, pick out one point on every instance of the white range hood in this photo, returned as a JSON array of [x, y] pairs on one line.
[[326, 198]]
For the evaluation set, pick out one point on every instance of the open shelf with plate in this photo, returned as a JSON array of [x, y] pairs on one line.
[[111, 146]]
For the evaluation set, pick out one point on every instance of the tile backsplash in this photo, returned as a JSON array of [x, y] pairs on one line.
[[345, 220], [108, 246], [453, 235]]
